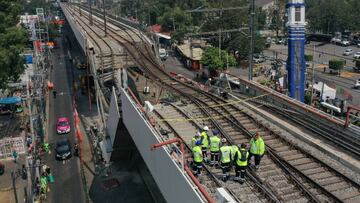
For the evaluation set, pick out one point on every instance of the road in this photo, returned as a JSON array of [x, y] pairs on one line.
[[68, 186], [322, 55]]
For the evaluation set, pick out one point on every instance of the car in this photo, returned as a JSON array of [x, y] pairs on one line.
[[63, 150], [258, 58], [163, 54], [348, 52], [63, 125], [357, 84], [335, 40], [358, 45], [345, 42], [357, 55]]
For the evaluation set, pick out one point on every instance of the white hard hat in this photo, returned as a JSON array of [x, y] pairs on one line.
[[223, 140], [206, 128]]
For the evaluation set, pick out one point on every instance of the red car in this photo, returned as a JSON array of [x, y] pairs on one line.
[[63, 125]]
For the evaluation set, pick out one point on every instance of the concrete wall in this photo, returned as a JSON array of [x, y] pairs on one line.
[[76, 29], [174, 185]]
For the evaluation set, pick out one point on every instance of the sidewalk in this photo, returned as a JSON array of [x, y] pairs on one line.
[[6, 188]]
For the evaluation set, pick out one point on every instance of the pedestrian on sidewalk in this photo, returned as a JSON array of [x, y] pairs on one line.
[[37, 186], [257, 149], [76, 149], [46, 147], [54, 93], [15, 156]]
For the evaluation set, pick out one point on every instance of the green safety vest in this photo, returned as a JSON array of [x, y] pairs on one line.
[[214, 144], [43, 181], [197, 153], [193, 141], [234, 149], [257, 146], [238, 161], [225, 154], [205, 140]]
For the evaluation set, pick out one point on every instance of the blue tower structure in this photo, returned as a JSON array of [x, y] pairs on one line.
[[296, 49]]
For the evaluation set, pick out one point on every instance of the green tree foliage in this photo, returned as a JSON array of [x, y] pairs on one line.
[[329, 16], [213, 61], [241, 44], [12, 40], [308, 57], [336, 64]]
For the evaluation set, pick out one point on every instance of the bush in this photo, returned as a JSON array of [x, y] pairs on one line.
[[336, 64], [309, 57]]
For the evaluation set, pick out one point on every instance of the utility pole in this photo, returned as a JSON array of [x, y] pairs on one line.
[[252, 36], [13, 178], [104, 17]]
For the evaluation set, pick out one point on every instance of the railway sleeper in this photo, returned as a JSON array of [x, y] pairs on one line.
[[349, 194], [295, 196], [320, 176], [293, 157], [282, 149], [337, 186], [301, 161], [311, 171]]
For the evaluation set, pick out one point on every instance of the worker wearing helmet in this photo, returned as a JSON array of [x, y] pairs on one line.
[[241, 162], [197, 157], [194, 139], [214, 148], [225, 159], [205, 142], [257, 149]]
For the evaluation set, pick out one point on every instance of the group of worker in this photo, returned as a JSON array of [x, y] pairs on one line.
[[221, 152]]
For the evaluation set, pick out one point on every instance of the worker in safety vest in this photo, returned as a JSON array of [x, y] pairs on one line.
[[225, 159], [205, 142], [234, 149], [241, 162], [257, 149], [214, 148], [197, 157], [195, 139]]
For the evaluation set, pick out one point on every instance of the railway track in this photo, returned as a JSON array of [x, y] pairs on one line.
[[303, 177]]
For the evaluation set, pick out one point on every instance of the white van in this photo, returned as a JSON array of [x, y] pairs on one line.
[[163, 54]]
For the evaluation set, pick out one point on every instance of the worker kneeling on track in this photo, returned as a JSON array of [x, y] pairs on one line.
[[225, 159], [197, 157], [214, 148], [241, 162]]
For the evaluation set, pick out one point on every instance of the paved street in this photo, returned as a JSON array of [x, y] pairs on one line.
[[68, 186], [322, 55]]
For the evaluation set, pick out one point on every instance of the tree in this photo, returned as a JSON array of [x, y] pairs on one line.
[[241, 44], [12, 41], [336, 65], [213, 61], [308, 57]]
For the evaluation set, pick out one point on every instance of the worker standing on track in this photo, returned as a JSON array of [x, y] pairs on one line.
[[195, 139], [257, 149], [225, 159], [205, 142], [214, 149], [241, 162], [197, 157], [234, 149]]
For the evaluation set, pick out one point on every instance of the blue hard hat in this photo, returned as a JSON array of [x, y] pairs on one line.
[[198, 142]]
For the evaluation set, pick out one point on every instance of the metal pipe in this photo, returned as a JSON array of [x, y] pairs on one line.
[[188, 171]]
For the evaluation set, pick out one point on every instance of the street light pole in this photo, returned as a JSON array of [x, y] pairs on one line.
[[104, 17], [90, 13]]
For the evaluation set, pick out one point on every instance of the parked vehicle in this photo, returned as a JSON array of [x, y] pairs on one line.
[[357, 84], [335, 40], [348, 52], [258, 58], [357, 55], [163, 54], [345, 43]]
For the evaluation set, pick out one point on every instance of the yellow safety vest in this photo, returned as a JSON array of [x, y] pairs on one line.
[[193, 141], [197, 153], [205, 141], [225, 154], [238, 161], [234, 149], [257, 146], [214, 144]]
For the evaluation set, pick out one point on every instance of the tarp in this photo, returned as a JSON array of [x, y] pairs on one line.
[[10, 100], [328, 91]]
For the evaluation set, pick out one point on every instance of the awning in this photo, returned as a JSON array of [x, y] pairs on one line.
[[163, 36], [10, 100]]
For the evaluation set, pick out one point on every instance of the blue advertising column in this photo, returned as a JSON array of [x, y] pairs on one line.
[[296, 46]]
